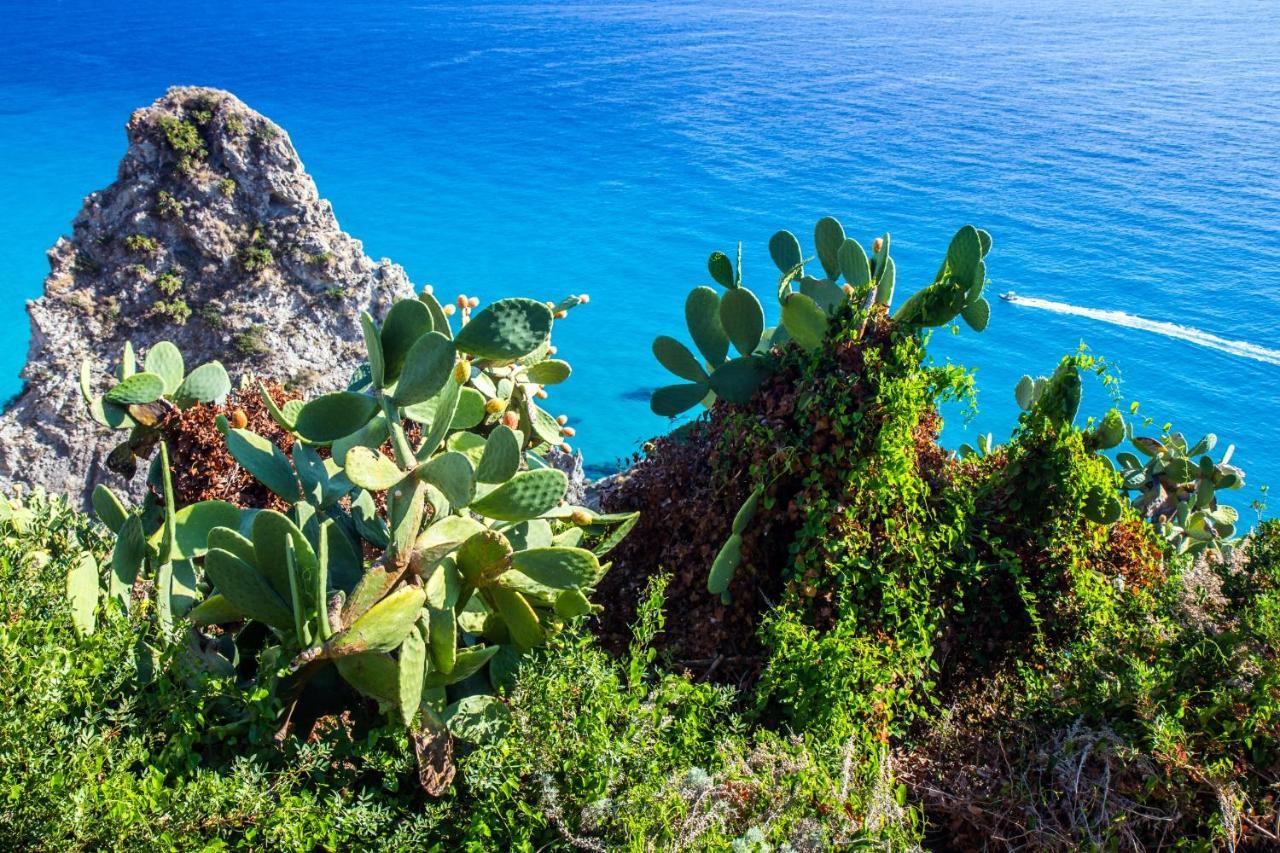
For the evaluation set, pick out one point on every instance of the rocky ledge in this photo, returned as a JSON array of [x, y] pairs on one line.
[[213, 236]]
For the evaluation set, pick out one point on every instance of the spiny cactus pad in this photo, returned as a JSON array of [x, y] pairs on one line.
[[526, 495], [506, 330]]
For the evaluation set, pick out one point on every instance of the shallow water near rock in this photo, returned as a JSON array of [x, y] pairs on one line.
[[1123, 159]]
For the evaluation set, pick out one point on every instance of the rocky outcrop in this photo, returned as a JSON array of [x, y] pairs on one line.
[[213, 236]]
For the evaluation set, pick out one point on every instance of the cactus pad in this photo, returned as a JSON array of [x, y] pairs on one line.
[[742, 319], [332, 416], [266, 462], [406, 322], [506, 330], [553, 371], [671, 400], [702, 316], [804, 320], [737, 380], [165, 361], [526, 495], [721, 269], [425, 367], [452, 474], [675, 356], [828, 237], [559, 568], [246, 589], [784, 248], [370, 469], [208, 383], [382, 627], [138, 388]]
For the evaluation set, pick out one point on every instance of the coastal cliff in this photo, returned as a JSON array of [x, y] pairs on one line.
[[213, 236]]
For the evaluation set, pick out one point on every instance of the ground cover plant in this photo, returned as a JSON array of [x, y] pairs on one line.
[[373, 618]]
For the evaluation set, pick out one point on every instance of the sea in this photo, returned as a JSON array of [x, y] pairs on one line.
[[1125, 157]]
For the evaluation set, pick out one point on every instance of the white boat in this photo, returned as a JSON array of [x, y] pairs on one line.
[[1010, 296]]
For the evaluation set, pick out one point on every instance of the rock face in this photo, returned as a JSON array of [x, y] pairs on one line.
[[214, 237]]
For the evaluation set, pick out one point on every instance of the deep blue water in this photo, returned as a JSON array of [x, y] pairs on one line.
[[1125, 156]]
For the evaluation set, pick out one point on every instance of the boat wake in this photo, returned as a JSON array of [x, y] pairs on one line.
[[1244, 349]]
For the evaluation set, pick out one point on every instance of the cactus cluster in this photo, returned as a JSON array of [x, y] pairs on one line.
[[806, 305], [140, 400], [1170, 483], [956, 289], [480, 557], [850, 276], [1176, 486]]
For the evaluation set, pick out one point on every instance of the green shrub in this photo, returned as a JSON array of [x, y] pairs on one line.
[[108, 753], [177, 311], [184, 138], [168, 283], [167, 206], [141, 244]]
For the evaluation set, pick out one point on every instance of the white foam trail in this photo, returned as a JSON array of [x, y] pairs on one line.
[[1244, 349]]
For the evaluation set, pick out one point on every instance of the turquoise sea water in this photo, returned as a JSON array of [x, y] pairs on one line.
[[1125, 156]]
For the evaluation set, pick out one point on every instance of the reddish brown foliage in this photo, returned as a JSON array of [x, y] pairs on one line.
[[1131, 553], [686, 510], [203, 468]]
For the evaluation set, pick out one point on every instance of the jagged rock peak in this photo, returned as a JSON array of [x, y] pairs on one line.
[[213, 236]]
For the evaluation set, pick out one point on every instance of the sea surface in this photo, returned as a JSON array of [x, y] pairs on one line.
[[1126, 158]]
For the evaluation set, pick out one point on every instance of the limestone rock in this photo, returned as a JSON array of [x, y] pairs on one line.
[[213, 236]]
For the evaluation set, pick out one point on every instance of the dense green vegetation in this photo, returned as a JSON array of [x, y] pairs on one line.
[[366, 619]]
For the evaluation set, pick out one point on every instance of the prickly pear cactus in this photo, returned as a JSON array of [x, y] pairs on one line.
[[479, 557], [140, 401], [1177, 486], [806, 305]]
